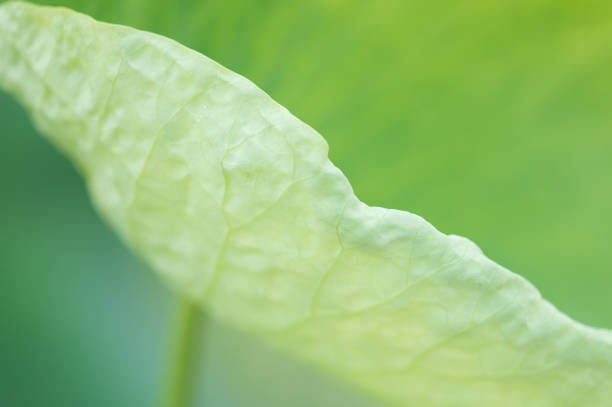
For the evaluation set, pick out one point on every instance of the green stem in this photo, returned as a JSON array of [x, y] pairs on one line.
[[176, 391]]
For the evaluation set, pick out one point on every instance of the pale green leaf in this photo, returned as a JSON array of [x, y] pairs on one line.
[[235, 203]]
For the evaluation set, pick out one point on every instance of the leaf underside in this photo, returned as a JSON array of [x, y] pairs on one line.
[[234, 202]]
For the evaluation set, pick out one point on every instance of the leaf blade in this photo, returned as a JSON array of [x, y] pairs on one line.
[[233, 201]]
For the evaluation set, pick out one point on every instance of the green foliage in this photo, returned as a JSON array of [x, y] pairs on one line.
[[491, 116], [234, 201]]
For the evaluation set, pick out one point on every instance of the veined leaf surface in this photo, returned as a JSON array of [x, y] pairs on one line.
[[235, 203]]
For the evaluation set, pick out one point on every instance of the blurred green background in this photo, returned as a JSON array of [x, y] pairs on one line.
[[491, 119]]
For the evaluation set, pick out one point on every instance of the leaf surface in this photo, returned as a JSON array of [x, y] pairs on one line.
[[234, 202]]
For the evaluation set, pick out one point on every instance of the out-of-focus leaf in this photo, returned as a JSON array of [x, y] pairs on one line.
[[502, 106]]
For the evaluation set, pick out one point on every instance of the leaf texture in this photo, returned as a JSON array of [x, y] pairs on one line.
[[235, 203]]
